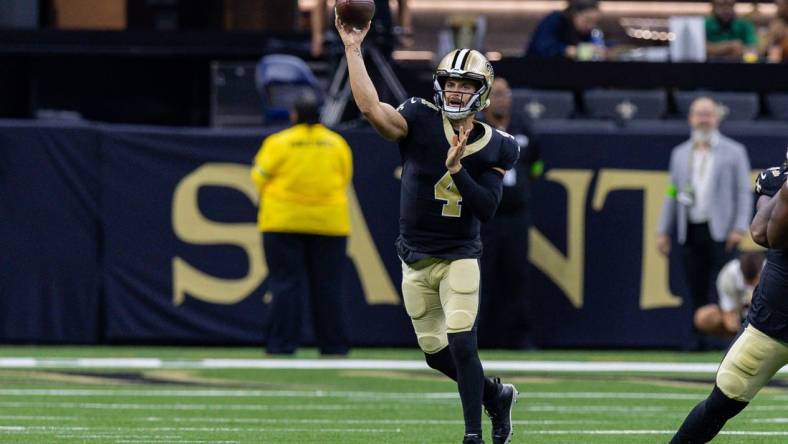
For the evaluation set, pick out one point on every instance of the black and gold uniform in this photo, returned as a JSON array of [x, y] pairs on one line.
[[433, 220], [762, 348]]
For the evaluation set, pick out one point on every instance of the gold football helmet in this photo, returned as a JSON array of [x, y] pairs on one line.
[[463, 64]]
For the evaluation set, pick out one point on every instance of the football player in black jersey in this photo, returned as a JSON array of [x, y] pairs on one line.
[[762, 348], [452, 171]]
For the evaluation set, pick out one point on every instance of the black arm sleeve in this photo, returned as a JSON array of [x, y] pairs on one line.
[[482, 195]]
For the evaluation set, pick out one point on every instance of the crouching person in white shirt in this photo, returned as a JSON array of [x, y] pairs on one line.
[[735, 285]]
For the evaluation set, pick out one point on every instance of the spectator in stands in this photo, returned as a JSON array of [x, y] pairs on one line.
[[303, 174], [709, 202], [728, 36], [559, 34], [777, 36], [735, 284], [383, 32], [505, 312]]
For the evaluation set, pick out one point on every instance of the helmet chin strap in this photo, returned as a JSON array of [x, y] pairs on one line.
[[459, 115], [459, 112]]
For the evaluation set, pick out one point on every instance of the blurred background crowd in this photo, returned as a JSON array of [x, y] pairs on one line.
[[198, 63]]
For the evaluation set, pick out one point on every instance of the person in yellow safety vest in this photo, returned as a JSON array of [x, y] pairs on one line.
[[303, 174]]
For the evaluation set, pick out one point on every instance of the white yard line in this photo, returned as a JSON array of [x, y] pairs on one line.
[[39, 418], [214, 420], [174, 441], [354, 364], [352, 395], [189, 407], [219, 393], [389, 396], [137, 430], [60, 429], [771, 420]]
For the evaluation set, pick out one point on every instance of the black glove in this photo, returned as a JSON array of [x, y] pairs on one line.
[[770, 180]]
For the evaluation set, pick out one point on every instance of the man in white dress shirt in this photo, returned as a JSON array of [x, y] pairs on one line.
[[708, 205]]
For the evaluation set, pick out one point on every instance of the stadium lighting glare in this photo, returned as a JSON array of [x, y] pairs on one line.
[[493, 56], [412, 55]]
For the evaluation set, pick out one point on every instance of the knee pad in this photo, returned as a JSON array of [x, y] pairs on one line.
[[460, 320], [733, 384], [431, 343]]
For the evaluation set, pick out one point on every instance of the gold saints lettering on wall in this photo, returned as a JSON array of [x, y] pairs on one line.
[[191, 226], [654, 284], [566, 270]]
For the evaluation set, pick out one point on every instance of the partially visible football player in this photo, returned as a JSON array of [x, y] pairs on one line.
[[452, 172], [762, 348]]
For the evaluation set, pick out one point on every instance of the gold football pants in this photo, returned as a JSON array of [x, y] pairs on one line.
[[750, 363], [441, 296]]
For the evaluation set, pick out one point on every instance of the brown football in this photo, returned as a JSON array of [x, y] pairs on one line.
[[356, 13]]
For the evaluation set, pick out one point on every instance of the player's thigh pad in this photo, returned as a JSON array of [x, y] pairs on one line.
[[750, 363], [460, 295], [423, 305]]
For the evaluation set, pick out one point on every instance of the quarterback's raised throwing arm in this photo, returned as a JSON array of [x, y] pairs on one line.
[[383, 117]]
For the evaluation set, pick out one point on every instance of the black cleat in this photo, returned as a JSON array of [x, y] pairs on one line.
[[500, 413], [472, 439]]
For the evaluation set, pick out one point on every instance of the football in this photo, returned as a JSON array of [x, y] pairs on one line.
[[356, 13]]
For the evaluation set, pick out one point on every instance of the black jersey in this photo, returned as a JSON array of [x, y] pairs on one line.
[[433, 221], [769, 309]]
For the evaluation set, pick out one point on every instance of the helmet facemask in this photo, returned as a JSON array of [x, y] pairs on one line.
[[459, 111], [467, 64]]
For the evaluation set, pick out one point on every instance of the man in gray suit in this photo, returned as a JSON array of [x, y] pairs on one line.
[[709, 203]]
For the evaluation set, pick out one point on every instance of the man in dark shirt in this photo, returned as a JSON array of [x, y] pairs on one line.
[[762, 348], [558, 34], [505, 312], [452, 175]]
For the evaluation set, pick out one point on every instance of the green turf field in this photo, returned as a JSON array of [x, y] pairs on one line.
[[64, 398]]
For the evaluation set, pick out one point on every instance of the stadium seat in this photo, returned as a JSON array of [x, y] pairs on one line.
[[625, 104], [778, 105], [280, 79], [735, 105], [533, 104], [234, 100]]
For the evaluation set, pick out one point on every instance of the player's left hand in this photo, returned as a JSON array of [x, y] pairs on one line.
[[351, 37], [733, 241], [456, 150]]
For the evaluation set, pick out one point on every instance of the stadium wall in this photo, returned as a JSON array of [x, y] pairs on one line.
[[128, 234]]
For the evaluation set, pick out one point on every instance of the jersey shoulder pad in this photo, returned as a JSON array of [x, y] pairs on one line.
[[504, 133], [510, 151], [416, 103]]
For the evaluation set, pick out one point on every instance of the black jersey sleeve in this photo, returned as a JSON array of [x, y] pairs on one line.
[[409, 109], [415, 109], [510, 152], [481, 195]]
